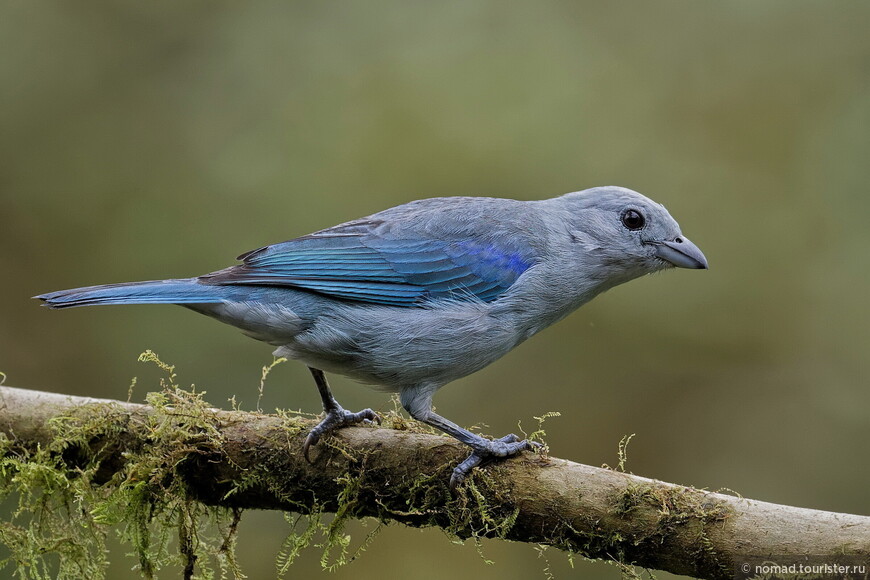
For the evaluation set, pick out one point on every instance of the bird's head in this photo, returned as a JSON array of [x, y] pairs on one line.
[[624, 231]]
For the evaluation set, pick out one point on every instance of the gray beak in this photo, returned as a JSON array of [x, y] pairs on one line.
[[681, 253]]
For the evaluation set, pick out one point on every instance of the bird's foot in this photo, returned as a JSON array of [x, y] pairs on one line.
[[336, 419], [507, 446]]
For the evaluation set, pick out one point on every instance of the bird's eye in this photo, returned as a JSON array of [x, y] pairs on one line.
[[633, 219]]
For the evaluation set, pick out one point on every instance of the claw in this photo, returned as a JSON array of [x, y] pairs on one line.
[[370, 416], [507, 446], [312, 439]]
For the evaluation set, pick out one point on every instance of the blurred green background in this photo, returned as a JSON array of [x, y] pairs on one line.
[[143, 140]]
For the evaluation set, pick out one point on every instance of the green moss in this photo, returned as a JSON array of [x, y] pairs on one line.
[[671, 508], [65, 499], [674, 505]]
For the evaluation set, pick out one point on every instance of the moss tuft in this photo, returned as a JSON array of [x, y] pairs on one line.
[[672, 507], [67, 500], [67, 497]]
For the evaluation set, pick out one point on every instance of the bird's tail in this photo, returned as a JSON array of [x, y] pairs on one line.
[[181, 291]]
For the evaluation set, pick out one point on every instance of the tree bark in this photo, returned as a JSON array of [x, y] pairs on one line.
[[401, 474]]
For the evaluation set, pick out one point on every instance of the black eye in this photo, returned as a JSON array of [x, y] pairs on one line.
[[633, 219]]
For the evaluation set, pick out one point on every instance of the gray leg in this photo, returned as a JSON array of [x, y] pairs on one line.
[[336, 417], [482, 448]]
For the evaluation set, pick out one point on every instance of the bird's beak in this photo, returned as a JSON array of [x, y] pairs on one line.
[[681, 253]]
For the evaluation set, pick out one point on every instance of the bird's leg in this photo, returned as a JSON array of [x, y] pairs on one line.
[[482, 448], [336, 416]]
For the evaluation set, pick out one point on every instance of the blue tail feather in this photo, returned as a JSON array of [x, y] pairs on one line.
[[181, 291]]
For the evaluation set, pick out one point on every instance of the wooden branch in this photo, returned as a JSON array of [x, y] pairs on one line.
[[402, 475]]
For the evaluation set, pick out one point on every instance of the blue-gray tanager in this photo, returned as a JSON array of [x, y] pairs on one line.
[[421, 294]]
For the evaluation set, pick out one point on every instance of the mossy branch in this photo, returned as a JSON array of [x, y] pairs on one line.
[[241, 460]]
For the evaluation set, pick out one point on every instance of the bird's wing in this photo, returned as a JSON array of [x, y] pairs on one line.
[[357, 261]]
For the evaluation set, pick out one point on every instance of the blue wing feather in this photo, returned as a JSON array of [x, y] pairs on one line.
[[362, 266]]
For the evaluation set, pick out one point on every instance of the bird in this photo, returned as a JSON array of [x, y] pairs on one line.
[[424, 293]]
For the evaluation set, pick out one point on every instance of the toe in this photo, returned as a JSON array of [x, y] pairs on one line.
[[462, 470], [369, 415], [312, 439], [336, 419]]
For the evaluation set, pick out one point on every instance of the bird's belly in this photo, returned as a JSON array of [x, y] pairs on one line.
[[395, 348]]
